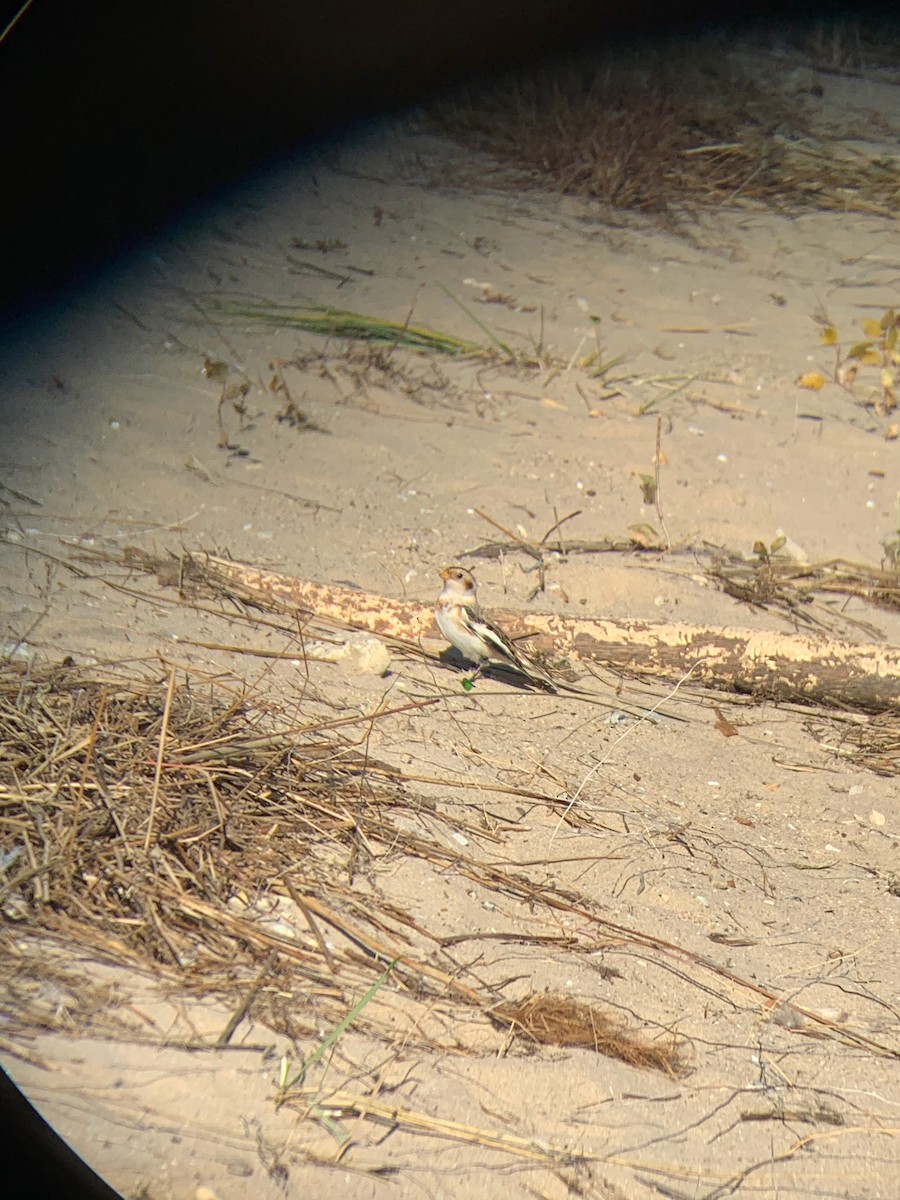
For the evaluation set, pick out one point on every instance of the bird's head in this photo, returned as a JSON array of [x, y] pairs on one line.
[[458, 581]]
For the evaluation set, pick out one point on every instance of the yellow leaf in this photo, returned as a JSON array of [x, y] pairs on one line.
[[859, 350], [814, 380], [887, 379], [872, 328], [828, 336], [892, 432]]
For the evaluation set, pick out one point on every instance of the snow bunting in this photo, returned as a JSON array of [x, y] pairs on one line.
[[465, 626]]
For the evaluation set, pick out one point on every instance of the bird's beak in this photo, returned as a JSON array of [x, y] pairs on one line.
[[445, 574]]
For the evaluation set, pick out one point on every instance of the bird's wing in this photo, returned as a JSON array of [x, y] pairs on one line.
[[503, 647], [489, 632]]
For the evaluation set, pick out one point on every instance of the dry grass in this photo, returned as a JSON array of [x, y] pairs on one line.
[[176, 821], [809, 595], [616, 133], [845, 45], [660, 128], [263, 835]]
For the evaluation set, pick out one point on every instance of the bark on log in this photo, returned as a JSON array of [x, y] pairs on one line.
[[773, 666]]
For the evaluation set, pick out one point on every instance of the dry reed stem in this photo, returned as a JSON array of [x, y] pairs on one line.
[[761, 664], [346, 1103], [157, 774], [764, 583]]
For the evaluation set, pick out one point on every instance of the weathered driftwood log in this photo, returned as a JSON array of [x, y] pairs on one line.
[[773, 666]]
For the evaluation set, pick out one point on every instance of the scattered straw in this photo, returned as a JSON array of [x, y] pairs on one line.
[[872, 742], [174, 821]]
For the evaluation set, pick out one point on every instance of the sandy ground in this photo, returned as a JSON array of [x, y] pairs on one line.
[[766, 852]]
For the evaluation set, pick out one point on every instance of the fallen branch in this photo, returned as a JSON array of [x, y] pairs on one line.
[[766, 665]]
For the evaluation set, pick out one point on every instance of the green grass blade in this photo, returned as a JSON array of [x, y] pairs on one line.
[[649, 405], [342, 1026], [485, 329], [334, 322], [340, 1135]]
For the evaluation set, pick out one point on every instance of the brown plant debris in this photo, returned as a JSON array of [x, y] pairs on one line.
[[765, 581], [769, 581], [552, 1020], [245, 813], [872, 742]]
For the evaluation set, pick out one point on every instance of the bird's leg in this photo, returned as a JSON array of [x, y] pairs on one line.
[[470, 679]]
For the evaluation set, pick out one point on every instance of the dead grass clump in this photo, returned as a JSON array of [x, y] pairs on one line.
[[562, 1021], [578, 136], [658, 129], [641, 131], [844, 44]]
